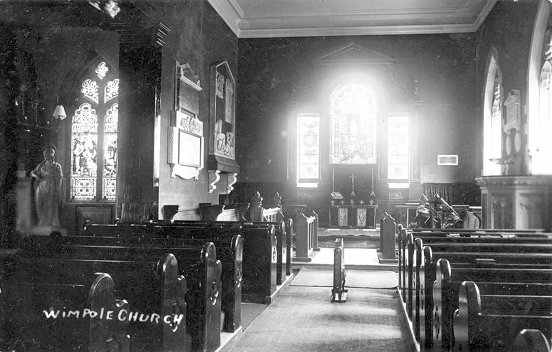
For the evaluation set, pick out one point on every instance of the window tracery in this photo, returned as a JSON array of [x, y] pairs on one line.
[[94, 123]]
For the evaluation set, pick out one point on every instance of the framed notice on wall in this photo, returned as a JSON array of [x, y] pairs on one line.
[[185, 145], [189, 149], [447, 159]]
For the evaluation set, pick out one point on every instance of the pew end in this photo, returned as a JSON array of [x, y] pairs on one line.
[[531, 340], [339, 293]]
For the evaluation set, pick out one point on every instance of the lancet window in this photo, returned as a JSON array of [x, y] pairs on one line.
[[308, 149]]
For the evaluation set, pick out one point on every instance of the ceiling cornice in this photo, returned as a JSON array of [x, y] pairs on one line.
[[321, 22]]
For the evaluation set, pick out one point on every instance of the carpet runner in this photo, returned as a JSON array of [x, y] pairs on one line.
[[303, 319]]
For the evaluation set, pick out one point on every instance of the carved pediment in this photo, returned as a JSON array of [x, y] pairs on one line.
[[355, 54]]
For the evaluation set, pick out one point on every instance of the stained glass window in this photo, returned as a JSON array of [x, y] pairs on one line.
[[308, 147], [353, 125], [398, 142], [94, 124]]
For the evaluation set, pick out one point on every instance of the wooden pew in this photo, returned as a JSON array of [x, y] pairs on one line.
[[153, 296], [492, 322], [425, 293], [415, 284], [151, 286], [282, 231], [283, 248], [30, 316], [260, 255], [290, 234], [531, 340], [460, 249], [305, 222], [446, 288], [229, 252], [259, 249]]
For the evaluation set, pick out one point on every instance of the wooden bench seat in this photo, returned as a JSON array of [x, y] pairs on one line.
[[152, 285], [260, 255], [282, 230], [41, 321], [259, 249], [417, 265], [492, 322], [229, 251], [446, 288]]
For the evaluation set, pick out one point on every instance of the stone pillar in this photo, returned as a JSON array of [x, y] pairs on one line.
[[140, 76], [24, 207]]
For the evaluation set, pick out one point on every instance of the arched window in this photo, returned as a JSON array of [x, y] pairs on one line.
[[94, 135], [492, 118], [541, 153], [353, 125]]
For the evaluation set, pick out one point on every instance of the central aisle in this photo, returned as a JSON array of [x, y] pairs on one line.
[[303, 319]]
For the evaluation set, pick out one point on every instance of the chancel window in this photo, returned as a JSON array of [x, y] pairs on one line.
[[398, 142], [308, 149], [94, 136], [353, 125]]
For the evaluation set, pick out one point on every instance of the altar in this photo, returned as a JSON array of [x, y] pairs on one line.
[[353, 216]]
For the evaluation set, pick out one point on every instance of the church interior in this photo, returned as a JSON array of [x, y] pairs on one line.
[[397, 150]]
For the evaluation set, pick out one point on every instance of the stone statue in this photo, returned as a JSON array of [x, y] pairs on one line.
[[48, 195]]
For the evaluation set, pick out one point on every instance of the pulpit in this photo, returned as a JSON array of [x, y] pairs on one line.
[[516, 202]]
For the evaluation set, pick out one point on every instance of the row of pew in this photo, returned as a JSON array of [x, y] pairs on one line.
[[161, 286], [480, 290]]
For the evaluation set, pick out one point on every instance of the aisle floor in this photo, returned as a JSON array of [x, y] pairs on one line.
[[303, 319]]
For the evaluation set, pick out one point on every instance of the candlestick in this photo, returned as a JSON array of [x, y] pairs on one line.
[[333, 179]]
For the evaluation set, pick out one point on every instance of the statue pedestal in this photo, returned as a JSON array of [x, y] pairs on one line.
[[23, 196], [516, 202]]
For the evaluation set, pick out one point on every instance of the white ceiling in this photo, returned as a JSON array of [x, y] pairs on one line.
[[305, 18]]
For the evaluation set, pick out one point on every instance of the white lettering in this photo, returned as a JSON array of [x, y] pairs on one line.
[[122, 312], [143, 318], [86, 312], [178, 319], [155, 317], [76, 313], [133, 316], [51, 314]]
